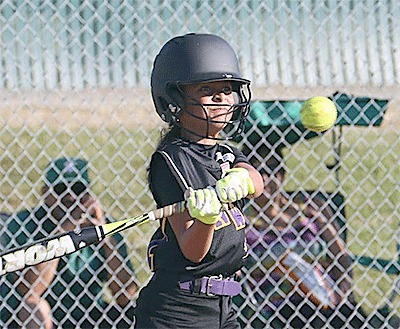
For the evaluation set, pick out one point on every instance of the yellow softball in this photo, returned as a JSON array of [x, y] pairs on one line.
[[318, 114]]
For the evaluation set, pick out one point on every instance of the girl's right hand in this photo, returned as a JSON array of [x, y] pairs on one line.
[[204, 205]]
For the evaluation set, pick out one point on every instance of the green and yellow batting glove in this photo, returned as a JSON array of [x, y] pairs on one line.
[[236, 185], [203, 204]]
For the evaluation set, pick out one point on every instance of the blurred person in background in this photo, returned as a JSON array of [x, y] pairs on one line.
[[281, 222], [67, 292]]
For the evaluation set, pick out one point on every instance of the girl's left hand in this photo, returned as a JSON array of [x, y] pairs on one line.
[[235, 186]]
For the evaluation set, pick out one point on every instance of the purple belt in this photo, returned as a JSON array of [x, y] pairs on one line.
[[212, 286]]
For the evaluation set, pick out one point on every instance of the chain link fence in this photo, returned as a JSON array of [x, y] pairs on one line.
[[74, 81]]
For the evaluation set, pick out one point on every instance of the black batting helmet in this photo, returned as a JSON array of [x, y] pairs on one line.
[[196, 58]]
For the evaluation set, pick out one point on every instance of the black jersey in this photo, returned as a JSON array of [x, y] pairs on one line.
[[175, 167]]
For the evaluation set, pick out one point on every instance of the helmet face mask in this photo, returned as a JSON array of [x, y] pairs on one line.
[[231, 120], [194, 59]]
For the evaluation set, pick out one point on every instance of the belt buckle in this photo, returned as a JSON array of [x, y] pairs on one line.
[[208, 286]]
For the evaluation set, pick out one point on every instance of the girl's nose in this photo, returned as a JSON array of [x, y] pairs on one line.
[[219, 96]]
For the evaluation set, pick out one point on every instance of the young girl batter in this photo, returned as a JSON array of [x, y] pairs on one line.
[[197, 88]]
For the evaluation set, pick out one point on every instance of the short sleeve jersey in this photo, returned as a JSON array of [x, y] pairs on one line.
[[78, 285], [175, 167]]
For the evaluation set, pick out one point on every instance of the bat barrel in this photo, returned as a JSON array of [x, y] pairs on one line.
[[49, 249], [66, 243]]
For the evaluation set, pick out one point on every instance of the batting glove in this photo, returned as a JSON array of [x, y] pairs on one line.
[[203, 204], [236, 185]]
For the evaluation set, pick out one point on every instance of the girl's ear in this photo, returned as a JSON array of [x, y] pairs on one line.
[[173, 105]]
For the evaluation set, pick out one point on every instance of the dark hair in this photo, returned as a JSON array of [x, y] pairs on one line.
[[169, 134]]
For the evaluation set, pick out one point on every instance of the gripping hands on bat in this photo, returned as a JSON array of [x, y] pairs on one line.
[[203, 204], [236, 185]]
